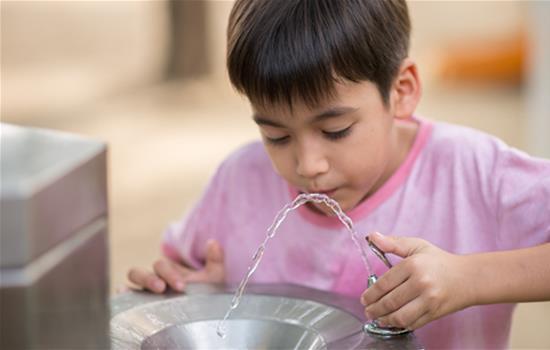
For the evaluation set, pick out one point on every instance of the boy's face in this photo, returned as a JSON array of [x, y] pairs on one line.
[[347, 147]]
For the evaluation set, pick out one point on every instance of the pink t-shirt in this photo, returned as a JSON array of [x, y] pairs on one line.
[[460, 189]]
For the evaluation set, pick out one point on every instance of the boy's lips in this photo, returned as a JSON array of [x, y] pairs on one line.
[[328, 192]]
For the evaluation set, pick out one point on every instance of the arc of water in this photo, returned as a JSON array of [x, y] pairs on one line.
[[279, 218]]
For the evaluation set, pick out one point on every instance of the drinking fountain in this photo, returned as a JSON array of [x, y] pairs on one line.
[[53, 235], [270, 316]]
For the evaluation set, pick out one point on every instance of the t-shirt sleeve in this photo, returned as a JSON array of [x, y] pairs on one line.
[[522, 188], [185, 240]]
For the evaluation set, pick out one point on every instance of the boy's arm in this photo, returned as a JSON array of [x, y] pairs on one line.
[[430, 283], [510, 276]]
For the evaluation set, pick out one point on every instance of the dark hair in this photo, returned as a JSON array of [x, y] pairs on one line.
[[280, 51]]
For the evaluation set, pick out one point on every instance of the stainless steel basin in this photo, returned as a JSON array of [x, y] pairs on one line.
[[269, 317], [242, 333]]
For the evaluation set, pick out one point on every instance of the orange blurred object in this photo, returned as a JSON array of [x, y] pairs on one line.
[[500, 61]]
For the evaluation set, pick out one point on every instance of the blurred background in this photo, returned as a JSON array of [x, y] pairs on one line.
[[148, 78]]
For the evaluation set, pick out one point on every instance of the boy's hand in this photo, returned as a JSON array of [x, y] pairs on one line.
[[176, 276], [426, 285]]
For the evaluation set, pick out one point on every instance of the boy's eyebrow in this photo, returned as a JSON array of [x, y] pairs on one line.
[[329, 113], [264, 121], [333, 112]]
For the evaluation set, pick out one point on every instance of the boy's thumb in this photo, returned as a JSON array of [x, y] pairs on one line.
[[400, 246], [214, 252]]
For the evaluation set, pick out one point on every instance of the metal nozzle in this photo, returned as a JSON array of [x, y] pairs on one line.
[[379, 253], [373, 327]]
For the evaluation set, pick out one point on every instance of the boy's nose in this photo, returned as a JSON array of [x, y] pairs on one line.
[[311, 163]]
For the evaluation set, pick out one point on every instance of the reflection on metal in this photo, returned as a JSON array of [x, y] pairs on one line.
[[53, 230], [271, 316], [374, 328]]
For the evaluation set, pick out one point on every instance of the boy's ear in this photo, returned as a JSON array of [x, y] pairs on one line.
[[406, 90]]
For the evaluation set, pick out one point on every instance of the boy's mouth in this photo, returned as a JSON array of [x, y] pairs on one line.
[[328, 192]]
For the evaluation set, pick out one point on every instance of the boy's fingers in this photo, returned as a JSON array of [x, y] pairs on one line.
[[400, 246], [214, 252], [407, 316], [146, 280], [390, 280], [393, 301], [215, 268], [122, 289], [385, 243], [199, 276], [421, 321], [173, 275], [137, 277], [176, 276]]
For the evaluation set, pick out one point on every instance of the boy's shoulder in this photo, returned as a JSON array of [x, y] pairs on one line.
[[248, 160], [453, 141], [250, 155], [249, 173]]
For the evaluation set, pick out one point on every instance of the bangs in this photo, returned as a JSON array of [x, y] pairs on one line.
[[284, 51]]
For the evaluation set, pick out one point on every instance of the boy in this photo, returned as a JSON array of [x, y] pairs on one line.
[[334, 93]]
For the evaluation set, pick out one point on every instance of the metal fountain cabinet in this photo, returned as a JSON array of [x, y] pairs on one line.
[[53, 235]]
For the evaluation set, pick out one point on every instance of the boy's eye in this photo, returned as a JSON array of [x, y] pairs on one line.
[[278, 140], [335, 135]]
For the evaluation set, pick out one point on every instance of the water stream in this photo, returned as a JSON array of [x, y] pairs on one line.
[[272, 230]]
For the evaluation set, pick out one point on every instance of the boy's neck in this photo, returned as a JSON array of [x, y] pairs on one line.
[[403, 134]]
